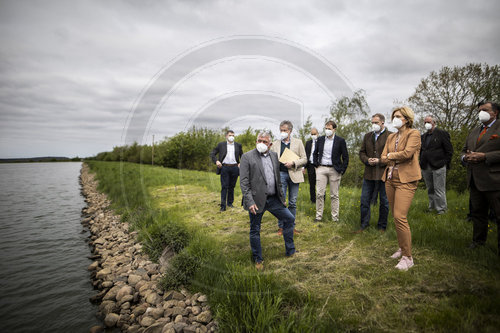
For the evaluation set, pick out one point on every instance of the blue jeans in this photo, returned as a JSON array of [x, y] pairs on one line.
[[371, 189], [275, 207], [286, 182]]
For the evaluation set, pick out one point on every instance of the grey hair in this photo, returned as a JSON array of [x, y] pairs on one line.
[[264, 134], [430, 116], [288, 123]]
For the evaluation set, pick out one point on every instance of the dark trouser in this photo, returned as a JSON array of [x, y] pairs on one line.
[[275, 207], [228, 177], [480, 202], [369, 192], [311, 175]]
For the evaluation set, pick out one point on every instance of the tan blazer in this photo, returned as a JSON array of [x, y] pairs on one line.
[[406, 157], [297, 147]]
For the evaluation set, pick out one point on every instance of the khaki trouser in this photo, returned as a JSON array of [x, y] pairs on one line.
[[400, 196], [323, 176]]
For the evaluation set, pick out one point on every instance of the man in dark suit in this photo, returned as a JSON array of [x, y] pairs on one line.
[[481, 155], [435, 159], [261, 188], [229, 153], [330, 159], [311, 171], [373, 186]]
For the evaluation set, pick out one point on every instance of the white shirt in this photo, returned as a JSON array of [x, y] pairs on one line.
[[327, 151], [313, 146], [229, 159]]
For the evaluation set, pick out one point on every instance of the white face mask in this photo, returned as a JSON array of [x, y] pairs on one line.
[[284, 135], [483, 116], [261, 147], [328, 132], [397, 123], [314, 137], [428, 126], [230, 138], [376, 127]]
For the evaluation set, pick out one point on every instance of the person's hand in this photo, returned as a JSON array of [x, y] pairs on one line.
[[253, 209], [373, 161], [303, 171], [219, 164], [474, 157], [289, 165]]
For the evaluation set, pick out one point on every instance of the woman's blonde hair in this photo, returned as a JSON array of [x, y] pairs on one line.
[[407, 112]]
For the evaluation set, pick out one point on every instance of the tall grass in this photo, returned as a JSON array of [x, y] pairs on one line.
[[337, 281]]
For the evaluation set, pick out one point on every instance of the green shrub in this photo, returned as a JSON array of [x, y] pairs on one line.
[[181, 270], [156, 237]]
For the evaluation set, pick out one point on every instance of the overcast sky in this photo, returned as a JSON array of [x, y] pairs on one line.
[[72, 73]]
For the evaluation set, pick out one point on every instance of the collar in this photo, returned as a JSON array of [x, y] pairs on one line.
[[489, 124], [382, 131]]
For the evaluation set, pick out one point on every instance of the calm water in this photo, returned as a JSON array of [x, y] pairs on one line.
[[44, 282]]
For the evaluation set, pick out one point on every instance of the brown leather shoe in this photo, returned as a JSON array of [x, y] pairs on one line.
[[259, 266], [280, 232], [360, 231], [296, 232]]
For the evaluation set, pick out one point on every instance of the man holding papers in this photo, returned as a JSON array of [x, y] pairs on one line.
[[292, 157]]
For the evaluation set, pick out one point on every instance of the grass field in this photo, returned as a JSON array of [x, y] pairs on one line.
[[338, 281]]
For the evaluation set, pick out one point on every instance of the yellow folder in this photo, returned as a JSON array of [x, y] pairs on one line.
[[288, 156]]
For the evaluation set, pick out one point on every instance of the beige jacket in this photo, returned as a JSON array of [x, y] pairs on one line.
[[406, 157], [297, 147]]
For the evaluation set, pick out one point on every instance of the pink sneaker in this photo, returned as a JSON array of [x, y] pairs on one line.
[[397, 254], [405, 263]]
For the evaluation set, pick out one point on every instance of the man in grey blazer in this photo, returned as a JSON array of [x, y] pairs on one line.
[[481, 155], [261, 189]]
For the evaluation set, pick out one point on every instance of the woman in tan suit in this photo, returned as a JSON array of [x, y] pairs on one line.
[[401, 177]]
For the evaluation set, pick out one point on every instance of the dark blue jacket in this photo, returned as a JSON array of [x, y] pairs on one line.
[[340, 156]]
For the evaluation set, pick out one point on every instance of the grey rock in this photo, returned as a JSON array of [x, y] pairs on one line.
[[147, 321], [189, 329], [133, 329], [172, 294], [178, 319], [155, 328], [103, 273], [111, 294], [196, 310], [205, 317], [111, 319], [107, 307], [127, 298], [139, 311], [93, 266], [179, 327], [96, 329], [124, 291], [202, 299], [133, 279], [107, 284]]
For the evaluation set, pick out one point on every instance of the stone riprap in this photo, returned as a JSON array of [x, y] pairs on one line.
[[127, 281]]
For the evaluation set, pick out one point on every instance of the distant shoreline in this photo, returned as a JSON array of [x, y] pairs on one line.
[[40, 159]]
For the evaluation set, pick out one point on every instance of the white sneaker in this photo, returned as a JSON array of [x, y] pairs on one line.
[[405, 263], [397, 254]]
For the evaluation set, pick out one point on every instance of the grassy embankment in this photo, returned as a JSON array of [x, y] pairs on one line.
[[337, 280]]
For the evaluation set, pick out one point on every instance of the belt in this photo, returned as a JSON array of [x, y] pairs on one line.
[[236, 164], [326, 165]]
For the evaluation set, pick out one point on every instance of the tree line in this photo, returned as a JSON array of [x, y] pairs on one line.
[[450, 95]]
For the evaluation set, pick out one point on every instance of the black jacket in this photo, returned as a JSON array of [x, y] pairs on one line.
[[340, 156], [438, 151], [221, 151], [308, 150]]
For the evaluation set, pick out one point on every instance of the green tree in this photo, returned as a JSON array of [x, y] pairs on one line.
[[451, 97], [352, 116], [303, 131], [452, 94]]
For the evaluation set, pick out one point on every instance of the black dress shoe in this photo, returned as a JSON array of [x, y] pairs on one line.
[[230, 206], [223, 209], [475, 245]]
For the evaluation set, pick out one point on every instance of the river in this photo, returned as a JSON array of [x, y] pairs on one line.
[[44, 282]]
